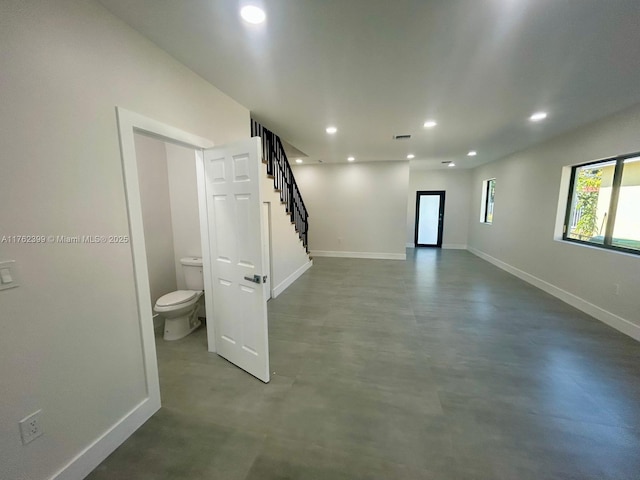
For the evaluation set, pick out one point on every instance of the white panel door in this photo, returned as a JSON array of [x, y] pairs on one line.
[[234, 211], [266, 247]]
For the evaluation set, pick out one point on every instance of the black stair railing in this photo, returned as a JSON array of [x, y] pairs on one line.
[[278, 168]]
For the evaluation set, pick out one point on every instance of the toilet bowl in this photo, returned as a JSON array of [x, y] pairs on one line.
[[180, 312], [180, 308]]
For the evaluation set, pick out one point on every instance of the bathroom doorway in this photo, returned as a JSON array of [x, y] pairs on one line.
[[170, 215], [230, 213]]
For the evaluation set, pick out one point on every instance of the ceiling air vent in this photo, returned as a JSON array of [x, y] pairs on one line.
[[401, 137], [446, 161]]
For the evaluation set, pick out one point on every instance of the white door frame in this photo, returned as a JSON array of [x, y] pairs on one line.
[[130, 123]]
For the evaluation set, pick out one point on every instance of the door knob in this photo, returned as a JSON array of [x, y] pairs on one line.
[[254, 279]]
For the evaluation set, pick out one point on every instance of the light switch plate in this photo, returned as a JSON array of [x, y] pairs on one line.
[[11, 266]]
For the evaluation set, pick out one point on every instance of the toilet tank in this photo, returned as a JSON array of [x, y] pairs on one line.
[[192, 271]]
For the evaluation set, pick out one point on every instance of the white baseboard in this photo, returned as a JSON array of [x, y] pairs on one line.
[[290, 279], [371, 255], [93, 455], [621, 324], [454, 246]]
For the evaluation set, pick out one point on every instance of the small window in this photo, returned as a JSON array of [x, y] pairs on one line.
[[604, 204], [488, 196]]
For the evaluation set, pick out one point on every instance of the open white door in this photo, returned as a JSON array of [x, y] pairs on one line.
[[266, 248], [234, 211]]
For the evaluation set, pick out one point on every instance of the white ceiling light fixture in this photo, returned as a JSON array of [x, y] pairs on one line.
[[252, 14], [451, 165], [472, 153], [298, 160], [411, 156], [331, 130], [538, 116], [351, 159], [430, 124]]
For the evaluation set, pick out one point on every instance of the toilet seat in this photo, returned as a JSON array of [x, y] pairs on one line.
[[176, 298]]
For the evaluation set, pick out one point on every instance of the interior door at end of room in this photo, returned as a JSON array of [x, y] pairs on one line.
[[429, 218], [234, 213]]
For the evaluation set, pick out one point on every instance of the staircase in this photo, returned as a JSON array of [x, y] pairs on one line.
[[278, 168]]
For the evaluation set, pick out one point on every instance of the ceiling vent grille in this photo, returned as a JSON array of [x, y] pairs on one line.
[[401, 137], [446, 161]]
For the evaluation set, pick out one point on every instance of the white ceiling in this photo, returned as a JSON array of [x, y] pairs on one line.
[[376, 68]]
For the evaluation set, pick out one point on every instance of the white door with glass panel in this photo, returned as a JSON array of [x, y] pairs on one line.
[[429, 218], [234, 211]]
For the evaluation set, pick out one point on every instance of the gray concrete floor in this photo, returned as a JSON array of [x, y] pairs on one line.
[[441, 367]]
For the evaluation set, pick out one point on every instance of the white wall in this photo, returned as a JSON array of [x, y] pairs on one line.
[[153, 179], [457, 185], [70, 340], [183, 194], [528, 188], [356, 209]]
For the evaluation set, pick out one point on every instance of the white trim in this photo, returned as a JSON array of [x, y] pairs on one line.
[[454, 246], [410, 245], [206, 249], [290, 279], [372, 255], [93, 455], [621, 324], [597, 248], [563, 199]]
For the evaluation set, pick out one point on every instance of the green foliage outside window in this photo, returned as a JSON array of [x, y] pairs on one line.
[[588, 189]]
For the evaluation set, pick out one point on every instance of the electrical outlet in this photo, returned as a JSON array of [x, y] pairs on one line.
[[30, 428], [616, 289]]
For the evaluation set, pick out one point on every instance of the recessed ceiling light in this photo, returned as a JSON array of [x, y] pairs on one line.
[[331, 130], [430, 124], [411, 156], [253, 14], [451, 165], [351, 159], [536, 117], [472, 153], [298, 160]]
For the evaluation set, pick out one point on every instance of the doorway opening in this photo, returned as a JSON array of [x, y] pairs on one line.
[[168, 188], [130, 124], [429, 218], [230, 211]]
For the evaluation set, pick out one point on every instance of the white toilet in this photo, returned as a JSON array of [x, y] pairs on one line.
[[180, 308]]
